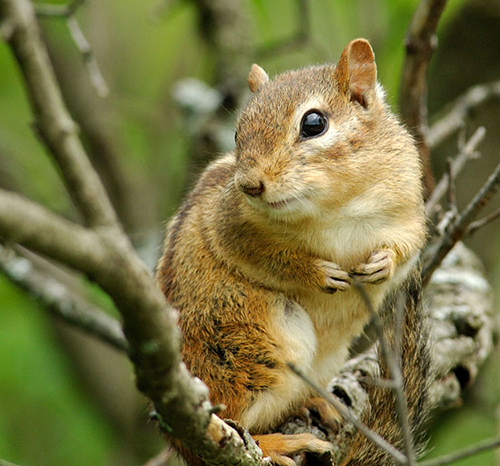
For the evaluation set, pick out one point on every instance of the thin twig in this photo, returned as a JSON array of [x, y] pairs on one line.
[[68, 12], [445, 222], [421, 41], [301, 36], [377, 324], [465, 154], [474, 226], [60, 301], [346, 414], [451, 192], [465, 453], [52, 120], [460, 109], [451, 214], [390, 357], [456, 232], [88, 57]]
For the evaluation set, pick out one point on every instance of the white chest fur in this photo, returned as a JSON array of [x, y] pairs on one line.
[[297, 335]]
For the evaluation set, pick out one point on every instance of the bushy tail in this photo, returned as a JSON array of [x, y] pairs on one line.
[[381, 416]]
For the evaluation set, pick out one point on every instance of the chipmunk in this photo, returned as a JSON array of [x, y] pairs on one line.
[[323, 188]]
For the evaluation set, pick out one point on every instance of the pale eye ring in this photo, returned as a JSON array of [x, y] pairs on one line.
[[314, 123]]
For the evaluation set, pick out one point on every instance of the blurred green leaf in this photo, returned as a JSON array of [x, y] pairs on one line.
[[44, 417]]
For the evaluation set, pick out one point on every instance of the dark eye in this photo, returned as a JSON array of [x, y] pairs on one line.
[[313, 123]]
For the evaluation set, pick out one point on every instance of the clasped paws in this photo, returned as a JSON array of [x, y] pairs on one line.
[[379, 268]]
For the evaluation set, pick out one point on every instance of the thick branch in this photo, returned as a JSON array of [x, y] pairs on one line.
[[54, 124], [421, 41], [27, 223], [105, 254]]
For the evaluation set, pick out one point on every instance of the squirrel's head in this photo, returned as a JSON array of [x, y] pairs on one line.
[[305, 139]]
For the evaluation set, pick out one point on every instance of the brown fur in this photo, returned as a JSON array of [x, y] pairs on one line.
[[254, 256], [415, 366]]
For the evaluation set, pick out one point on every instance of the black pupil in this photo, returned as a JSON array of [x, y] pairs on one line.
[[313, 124]]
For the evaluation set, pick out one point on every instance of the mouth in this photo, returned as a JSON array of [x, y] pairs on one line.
[[281, 204], [296, 206]]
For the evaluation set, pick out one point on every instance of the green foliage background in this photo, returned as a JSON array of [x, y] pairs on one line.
[[48, 413]]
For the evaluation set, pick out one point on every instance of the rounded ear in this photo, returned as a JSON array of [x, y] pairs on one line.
[[356, 71], [257, 78]]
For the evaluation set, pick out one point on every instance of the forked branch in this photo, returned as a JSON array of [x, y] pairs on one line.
[[457, 230], [68, 13], [456, 113], [104, 253]]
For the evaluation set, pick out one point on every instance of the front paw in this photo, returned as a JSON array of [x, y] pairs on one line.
[[281, 448], [378, 269], [333, 277], [327, 414]]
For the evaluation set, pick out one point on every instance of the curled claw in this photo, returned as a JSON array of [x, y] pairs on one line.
[[335, 277], [378, 269]]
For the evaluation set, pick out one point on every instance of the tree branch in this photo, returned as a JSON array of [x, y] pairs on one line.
[[52, 121], [88, 56], [459, 315], [390, 359], [474, 226], [465, 453], [68, 12], [27, 223], [58, 10], [181, 401], [465, 154], [7, 463], [421, 42], [457, 112], [225, 26], [347, 416], [60, 301], [457, 229]]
